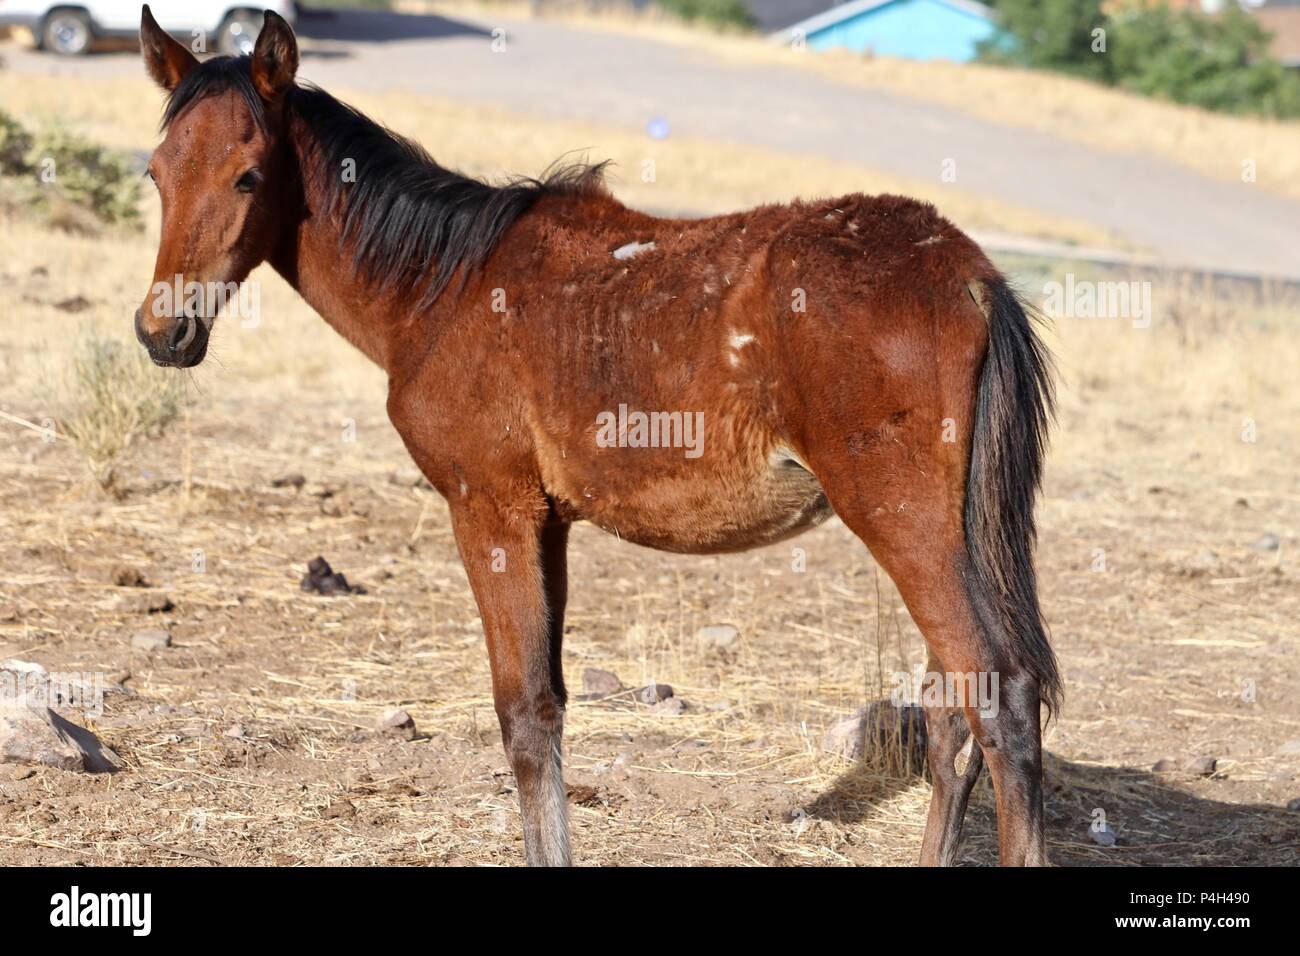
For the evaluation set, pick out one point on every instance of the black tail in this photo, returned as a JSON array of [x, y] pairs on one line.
[[1013, 410]]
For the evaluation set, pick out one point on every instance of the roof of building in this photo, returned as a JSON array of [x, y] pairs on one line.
[[775, 14], [840, 12], [1284, 23]]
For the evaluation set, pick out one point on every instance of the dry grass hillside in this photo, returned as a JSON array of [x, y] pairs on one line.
[[697, 175]]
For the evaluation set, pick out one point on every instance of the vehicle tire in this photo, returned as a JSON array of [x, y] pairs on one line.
[[66, 32], [238, 33]]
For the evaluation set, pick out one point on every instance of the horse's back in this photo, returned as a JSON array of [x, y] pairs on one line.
[[668, 374]]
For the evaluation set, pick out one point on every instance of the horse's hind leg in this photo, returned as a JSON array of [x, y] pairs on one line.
[[929, 445], [955, 764], [514, 554], [914, 533]]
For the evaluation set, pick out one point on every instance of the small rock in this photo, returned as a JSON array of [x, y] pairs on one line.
[[1294, 805], [844, 737], [671, 706], [23, 773], [1201, 766], [75, 304], [878, 725], [1104, 836], [194, 730], [339, 810], [322, 579], [150, 602], [583, 795], [1267, 542], [37, 735], [125, 576], [236, 731], [27, 669], [158, 604], [1165, 765], [151, 639], [600, 683], [721, 636], [1201, 563], [398, 723], [409, 478], [653, 693]]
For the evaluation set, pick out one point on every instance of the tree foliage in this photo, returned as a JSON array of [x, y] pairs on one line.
[[1218, 62]]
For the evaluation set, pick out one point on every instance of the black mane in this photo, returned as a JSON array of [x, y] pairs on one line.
[[412, 223]]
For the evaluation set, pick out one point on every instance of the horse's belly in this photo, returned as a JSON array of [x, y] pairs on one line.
[[723, 506]]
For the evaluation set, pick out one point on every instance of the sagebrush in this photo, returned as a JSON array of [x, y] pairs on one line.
[[115, 397]]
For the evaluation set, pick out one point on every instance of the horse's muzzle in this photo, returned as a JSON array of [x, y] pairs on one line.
[[182, 345]]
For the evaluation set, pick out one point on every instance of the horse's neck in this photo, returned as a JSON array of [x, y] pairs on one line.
[[311, 258]]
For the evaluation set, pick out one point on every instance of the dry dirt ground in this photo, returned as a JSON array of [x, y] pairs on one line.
[[1173, 611]]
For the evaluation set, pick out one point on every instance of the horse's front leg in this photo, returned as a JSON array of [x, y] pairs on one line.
[[514, 553]]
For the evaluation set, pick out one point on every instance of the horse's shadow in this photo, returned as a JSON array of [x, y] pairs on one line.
[[1155, 820]]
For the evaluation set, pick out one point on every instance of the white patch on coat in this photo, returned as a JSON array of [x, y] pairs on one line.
[[737, 341], [632, 249]]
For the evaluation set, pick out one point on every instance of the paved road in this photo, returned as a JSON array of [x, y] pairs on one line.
[[1182, 218]]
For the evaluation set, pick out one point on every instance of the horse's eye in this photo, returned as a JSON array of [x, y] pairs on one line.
[[247, 182]]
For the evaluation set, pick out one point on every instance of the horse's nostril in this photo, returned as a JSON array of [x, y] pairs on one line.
[[182, 334]]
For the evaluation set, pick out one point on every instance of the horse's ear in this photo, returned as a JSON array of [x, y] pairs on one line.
[[275, 57], [166, 60]]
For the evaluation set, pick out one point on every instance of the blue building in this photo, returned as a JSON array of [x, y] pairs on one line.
[[910, 29]]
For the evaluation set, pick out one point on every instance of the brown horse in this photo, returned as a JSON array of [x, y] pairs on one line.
[[695, 386]]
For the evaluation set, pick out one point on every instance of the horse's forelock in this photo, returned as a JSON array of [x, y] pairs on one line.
[[222, 74]]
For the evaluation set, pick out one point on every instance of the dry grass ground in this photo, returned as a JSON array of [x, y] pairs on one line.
[[1214, 144], [1183, 645]]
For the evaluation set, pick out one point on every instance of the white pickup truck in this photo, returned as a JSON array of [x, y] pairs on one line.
[[225, 26]]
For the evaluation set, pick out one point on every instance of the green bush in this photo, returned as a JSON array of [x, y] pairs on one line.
[[718, 13], [87, 175], [1220, 63], [15, 143], [1049, 35], [1217, 62], [70, 179]]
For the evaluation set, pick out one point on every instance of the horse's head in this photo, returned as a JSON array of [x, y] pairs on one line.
[[223, 174]]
